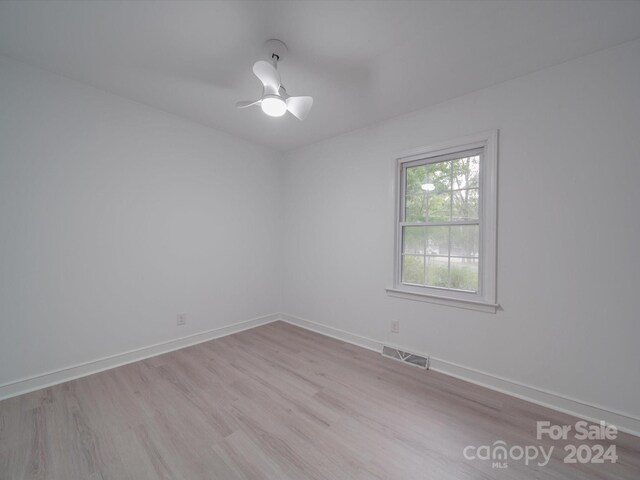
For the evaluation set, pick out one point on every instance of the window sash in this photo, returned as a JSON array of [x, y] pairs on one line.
[[450, 157], [429, 160], [439, 224]]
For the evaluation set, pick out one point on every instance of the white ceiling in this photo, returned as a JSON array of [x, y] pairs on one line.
[[361, 61]]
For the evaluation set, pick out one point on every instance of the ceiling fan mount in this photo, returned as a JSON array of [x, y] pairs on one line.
[[275, 49], [275, 100]]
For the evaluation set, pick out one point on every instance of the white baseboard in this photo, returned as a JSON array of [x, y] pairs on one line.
[[562, 403], [332, 332], [54, 377]]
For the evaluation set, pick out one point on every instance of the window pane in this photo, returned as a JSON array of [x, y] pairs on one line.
[[415, 178], [431, 208], [415, 208], [464, 274], [437, 177], [437, 240], [466, 172], [413, 240], [465, 240], [434, 177], [438, 207], [465, 204], [437, 272], [413, 269]]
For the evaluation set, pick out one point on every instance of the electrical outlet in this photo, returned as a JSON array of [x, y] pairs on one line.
[[395, 326], [182, 319]]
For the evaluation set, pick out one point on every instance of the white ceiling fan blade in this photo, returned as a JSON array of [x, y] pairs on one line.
[[268, 75], [247, 103], [299, 106]]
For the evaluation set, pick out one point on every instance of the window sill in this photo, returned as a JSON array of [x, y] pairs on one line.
[[452, 302]]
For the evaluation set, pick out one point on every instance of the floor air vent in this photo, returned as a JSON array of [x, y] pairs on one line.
[[405, 357]]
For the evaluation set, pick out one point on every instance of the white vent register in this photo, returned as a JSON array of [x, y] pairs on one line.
[[405, 357]]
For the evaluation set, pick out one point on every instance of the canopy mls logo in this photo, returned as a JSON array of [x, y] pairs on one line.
[[499, 452]]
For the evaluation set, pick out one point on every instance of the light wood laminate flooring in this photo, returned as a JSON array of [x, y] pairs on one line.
[[277, 402]]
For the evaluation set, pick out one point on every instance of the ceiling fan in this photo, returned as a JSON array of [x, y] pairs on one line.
[[275, 100]]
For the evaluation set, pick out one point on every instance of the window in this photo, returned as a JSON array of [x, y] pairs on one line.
[[446, 223]]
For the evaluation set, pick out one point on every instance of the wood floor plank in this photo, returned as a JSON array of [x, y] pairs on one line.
[[278, 402]]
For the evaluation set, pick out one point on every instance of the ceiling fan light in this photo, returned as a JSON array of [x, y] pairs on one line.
[[273, 106]]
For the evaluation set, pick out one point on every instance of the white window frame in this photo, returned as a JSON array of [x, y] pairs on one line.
[[485, 299]]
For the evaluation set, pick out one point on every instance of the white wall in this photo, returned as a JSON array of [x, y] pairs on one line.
[[114, 217], [569, 232]]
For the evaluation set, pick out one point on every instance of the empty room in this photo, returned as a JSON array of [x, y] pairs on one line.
[[319, 240]]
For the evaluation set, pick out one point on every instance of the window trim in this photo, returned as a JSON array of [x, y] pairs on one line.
[[485, 298]]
